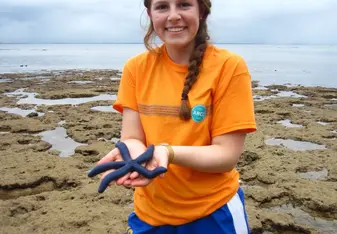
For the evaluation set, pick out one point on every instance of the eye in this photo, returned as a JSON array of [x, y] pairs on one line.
[[161, 7], [184, 4]]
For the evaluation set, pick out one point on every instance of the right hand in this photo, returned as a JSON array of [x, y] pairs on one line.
[[135, 147]]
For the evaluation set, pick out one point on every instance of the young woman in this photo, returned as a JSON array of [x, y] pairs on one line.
[[194, 102]]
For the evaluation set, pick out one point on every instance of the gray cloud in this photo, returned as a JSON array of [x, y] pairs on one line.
[[108, 21]]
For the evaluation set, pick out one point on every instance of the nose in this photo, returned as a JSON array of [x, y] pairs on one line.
[[174, 15]]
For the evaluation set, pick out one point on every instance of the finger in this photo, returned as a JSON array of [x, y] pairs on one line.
[[105, 174], [111, 156], [121, 180], [154, 165], [162, 162], [127, 182], [134, 175], [140, 182]]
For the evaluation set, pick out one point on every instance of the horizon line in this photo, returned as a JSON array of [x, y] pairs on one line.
[[121, 43]]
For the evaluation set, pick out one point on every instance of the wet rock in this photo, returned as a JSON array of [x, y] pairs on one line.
[[247, 158], [33, 114]]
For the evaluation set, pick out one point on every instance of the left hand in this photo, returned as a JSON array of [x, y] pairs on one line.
[[160, 158]]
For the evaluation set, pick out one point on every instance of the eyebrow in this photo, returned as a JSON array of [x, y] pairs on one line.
[[159, 2]]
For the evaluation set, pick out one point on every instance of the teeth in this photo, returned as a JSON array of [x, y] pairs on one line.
[[175, 29]]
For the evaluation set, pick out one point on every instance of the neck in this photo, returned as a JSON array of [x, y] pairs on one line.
[[180, 55]]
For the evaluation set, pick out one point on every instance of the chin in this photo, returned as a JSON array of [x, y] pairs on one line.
[[177, 44]]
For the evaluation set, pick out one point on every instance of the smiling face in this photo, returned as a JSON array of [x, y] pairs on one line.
[[176, 22]]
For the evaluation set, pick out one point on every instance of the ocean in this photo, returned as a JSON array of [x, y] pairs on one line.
[[308, 65]]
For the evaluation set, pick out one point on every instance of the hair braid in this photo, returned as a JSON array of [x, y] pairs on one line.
[[193, 69]]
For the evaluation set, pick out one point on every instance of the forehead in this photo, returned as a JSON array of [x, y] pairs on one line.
[[170, 1]]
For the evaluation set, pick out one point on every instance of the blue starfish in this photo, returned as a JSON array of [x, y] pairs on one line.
[[128, 165]]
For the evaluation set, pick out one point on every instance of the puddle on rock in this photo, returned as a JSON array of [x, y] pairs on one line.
[[290, 94], [260, 88], [5, 81], [322, 123], [287, 123], [261, 98], [303, 218], [19, 111], [314, 175], [294, 145], [60, 141], [104, 109], [36, 77], [115, 78], [80, 82], [44, 81], [298, 105], [114, 140], [330, 105], [278, 95], [29, 98], [61, 122]]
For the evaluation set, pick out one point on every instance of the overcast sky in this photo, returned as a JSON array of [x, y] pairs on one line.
[[109, 21]]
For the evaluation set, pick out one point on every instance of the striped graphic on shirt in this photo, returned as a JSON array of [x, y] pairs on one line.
[[161, 110]]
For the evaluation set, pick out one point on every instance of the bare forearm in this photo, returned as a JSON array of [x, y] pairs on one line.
[[212, 158]]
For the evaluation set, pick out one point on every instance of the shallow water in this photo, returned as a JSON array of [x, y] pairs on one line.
[[60, 141], [104, 108], [322, 123], [36, 77], [331, 105], [5, 80], [295, 145], [303, 218], [290, 94], [298, 105], [19, 111], [287, 123], [80, 82], [279, 95], [314, 175], [29, 98]]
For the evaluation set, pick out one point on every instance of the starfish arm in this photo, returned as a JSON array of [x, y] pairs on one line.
[[123, 149], [113, 176], [147, 173], [105, 167], [148, 154]]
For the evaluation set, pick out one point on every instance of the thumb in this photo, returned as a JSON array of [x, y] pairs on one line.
[[162, 163], [110, 157]]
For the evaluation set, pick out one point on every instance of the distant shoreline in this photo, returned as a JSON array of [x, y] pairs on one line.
[[139, 43]]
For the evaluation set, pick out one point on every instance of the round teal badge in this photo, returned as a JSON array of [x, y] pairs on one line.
[[198, 113]]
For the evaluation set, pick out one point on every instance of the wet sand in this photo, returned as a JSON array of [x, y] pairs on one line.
[[288, 170]]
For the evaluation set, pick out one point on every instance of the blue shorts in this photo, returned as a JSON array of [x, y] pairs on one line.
[[230, 219]]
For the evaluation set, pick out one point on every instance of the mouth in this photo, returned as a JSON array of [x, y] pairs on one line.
[[175, 29]]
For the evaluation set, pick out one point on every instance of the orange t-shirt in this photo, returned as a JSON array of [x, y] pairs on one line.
[[221, 100]]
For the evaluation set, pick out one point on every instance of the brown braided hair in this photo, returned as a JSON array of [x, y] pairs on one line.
[[196, 57]]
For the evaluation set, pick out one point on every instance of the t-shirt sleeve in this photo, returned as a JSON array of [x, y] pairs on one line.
[[233, 103], [126, 96]]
